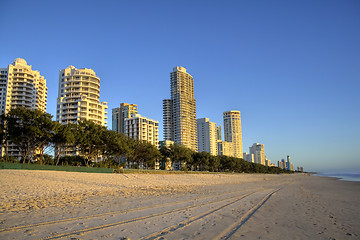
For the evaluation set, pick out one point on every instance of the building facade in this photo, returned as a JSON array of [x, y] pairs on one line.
[[120, 114], [207, 136], [259, 153], [180, 111], [232, 131], [249, 157], [226, 148], [142, 129], [20, 86], [79, 97], [286, 164]]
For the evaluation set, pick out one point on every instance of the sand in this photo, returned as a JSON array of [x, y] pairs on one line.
[[65, 205]]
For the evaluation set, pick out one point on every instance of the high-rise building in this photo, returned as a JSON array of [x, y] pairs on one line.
[[218, 133], [207, 136], [286, 164], [249, 157], [120, 114], [180, 110], [225, 148], [289, 165], [142, 129], [232, 131], [259, 153], [20, 86], [78, 97]]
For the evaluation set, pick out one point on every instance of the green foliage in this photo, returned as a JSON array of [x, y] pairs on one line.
[[32, 130], [29, 130], [73, 161]]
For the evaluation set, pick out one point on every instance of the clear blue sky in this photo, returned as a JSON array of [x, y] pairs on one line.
[[291, 67]]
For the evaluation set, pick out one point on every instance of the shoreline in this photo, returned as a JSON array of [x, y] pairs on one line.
[[246, 206]]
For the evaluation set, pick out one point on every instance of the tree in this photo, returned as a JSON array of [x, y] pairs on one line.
[[29, 130], [214, 163], [63, 138], [144, 154], [88, 140], [114, 146], [181, 154], [201, 161]]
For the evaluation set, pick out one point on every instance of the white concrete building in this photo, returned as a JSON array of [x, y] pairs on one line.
[[226, 148], [259, 153], [120, 114], [249, 157], [142, 129], [207, 136], [20, 86], [180, 111], [232, 131], [78, 97]]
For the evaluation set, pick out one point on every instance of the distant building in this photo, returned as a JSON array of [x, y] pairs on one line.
[[300, 169], [226, 148], [120, 114], [78, 97], [286, 164], [249, 157], [232, 131], [142, 129], [20, 86], [180, 111], [207, 136], [268, 163], [289, 165], [259, 153], [218, 133]]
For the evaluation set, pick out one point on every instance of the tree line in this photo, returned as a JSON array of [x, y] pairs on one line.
[[32, 133]]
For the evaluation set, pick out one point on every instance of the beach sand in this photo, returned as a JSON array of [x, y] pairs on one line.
[[67, 205]]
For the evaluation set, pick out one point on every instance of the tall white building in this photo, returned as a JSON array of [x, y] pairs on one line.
[[180, 110], [78, 97], [259, 153], [207, 136], [232, 131], [142, 129], [20, 86], [249, 157], [225, 148], [120, 114]]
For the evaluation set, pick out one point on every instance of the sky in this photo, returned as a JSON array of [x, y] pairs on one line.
[[291, 67]]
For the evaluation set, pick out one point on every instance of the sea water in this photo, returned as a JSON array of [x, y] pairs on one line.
[[345, 176]]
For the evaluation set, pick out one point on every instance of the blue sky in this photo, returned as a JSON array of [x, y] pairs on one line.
[[291, 67]]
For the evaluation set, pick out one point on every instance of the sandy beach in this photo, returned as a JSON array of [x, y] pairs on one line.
[[67, 205]]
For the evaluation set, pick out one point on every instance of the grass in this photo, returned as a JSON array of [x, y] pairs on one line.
[[4, 165]]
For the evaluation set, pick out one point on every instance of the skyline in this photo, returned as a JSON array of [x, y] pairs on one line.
[[291, 69]]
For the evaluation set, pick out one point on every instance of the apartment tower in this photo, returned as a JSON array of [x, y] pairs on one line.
[[120, 114], [258, 150], [232, 131], [142, 129], [207, 136], [78, 97], [20, 86], [180, 111]]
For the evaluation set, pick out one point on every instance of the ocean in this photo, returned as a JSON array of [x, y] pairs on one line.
[[344, 176]]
